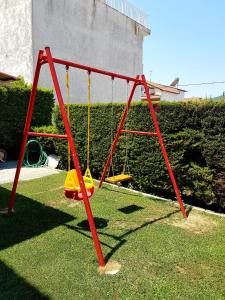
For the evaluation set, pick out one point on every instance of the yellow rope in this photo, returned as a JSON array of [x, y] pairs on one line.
[[89, 121], [68, 111], [112, 122], [126, 161]]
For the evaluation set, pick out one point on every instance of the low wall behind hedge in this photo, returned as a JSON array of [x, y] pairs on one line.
[[194, 136], [13, 108]]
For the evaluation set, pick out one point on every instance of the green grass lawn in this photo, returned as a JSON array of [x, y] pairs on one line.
[[46, 250]]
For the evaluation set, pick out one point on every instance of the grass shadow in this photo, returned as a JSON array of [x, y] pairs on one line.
[[31, 219], [121, 239], [115, 189], [130, 209], [99, 224], [13, 286]]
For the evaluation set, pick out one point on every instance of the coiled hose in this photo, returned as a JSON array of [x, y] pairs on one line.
[[34, 156]]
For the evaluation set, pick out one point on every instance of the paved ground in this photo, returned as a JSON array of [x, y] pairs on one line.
[[8, 169]]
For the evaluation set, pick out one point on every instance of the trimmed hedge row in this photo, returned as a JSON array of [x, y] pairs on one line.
[[194, 135], [14, 101]]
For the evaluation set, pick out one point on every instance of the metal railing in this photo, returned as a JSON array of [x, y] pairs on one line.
[[129, 10]]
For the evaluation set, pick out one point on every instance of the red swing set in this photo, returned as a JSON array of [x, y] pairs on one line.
[[46, 58]]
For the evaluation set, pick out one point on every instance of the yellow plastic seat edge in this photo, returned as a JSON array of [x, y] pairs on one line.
[[118, 178], [72, 182]]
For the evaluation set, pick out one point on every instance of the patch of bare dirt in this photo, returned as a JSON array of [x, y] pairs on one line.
[[64, 202], [50, 190], [124, 225], [196, 223], [194, 272], [74, 203], [181, 270], [57, 203], [111, 268]]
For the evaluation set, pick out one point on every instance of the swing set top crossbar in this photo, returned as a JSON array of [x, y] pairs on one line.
[[50, 135], [90, 69]]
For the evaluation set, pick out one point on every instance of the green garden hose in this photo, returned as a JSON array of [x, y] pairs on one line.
[[34, 156]]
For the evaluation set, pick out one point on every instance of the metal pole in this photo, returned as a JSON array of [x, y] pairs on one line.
[[161, 143], [50, 135], [113, 147], [26, 130], [139, 132], [75, 159], [89, 69]]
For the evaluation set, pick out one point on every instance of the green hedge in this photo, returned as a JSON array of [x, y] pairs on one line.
[[13, 108], [194, 135]]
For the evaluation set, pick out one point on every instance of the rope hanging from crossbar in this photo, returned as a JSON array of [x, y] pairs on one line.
[[126, 160], [112, 123], [68, 111], [89, 120]]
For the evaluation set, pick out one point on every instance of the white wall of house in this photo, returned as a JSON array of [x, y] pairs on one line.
[[166, 96], [88, 32], [16, 54]]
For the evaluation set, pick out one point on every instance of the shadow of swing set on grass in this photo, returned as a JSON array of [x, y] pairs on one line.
[[101, 223], [32, 219], [13, 286]]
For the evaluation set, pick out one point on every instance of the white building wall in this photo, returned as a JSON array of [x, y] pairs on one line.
[[91, 33], [166, 96], [172, 97], [16, 57]]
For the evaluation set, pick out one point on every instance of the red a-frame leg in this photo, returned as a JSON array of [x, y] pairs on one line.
[[70, 141], [161, 143], [157, 133], [113, 147], [26, 130], [75, 159]]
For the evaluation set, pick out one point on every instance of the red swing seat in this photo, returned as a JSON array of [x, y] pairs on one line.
[[72, 188]]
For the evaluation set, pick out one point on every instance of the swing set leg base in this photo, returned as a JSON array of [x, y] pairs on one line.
[[111, 268]]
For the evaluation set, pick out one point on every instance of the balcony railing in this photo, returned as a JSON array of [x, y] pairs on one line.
[[129, 10]]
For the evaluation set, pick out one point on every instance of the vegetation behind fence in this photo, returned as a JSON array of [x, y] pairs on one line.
[[194, 135]]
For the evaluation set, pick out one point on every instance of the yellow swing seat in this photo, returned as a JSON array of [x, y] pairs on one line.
[[118, 178], [72, 187]]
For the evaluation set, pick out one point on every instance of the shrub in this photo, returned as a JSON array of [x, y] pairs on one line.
[[14, 101], [193, 135]]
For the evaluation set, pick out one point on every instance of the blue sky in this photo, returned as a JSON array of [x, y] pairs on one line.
[[187, 41]]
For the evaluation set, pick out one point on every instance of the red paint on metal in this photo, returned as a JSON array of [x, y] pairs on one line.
[[75, 159], [25, 132], [161, 143], [90, 69], [40, 61], [43, 59], [157, 133], [139, 132], [113, 147], [51, 135]]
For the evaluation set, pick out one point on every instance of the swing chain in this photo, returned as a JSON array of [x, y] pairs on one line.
[[89, 119], [126, 163], [68, 111], [112, 116]]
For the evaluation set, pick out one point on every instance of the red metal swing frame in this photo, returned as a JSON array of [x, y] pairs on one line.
[[46, 58]]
